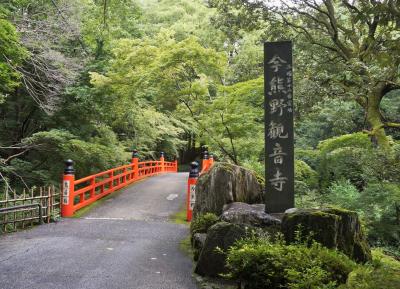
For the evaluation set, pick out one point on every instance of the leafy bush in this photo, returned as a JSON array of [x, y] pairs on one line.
[[309, 156], [379, 203], [343, 164], [45, 163], [305, 183], [341, 158], [355, 140], [201, 223], [305, 174], [328, 119], [343, 194], [261, 263], [382, 273]]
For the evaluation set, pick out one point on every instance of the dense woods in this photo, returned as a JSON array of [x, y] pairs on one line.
[[91, 80]]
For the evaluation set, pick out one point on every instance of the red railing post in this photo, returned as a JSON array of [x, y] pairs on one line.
[[191, 190], [93, 189], [111, 182], [204, 163], [124, 176], [162, 160], [67, 202], [135, 162], [175, 165]]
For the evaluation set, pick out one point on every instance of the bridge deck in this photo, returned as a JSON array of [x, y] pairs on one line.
[[126, 242]]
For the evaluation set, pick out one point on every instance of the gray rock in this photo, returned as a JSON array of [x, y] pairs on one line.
[[223, 184], [221, 235], [334, 228], [198, 241], [291, 210], [252, 215]]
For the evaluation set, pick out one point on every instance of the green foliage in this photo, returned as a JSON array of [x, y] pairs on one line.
[[327, 120], [305, 182], [102, 23], [340, 158], [305, 174], [12, 54], [202, 223], [186, 17], [309, 156], [382, 273], [261, 263], [343, 194], [379, 203], [232, 121], [45, 162], [356, 140]]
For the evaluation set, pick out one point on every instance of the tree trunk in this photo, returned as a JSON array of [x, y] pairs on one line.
[[374, 117]]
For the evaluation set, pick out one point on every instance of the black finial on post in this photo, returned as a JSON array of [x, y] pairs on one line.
[[135, 154], [162, 154], [194, 170], [69, 167], [205, 155], [211, 156]]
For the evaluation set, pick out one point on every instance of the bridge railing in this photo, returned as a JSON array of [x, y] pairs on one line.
[[80, 193]]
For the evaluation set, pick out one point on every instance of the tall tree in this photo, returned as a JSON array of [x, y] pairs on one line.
[[354, 50]]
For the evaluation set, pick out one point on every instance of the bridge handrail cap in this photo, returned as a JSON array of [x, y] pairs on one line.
[[69, 167]]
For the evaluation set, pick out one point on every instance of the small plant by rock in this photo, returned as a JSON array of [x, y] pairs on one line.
[[201, 223], [263, 263]]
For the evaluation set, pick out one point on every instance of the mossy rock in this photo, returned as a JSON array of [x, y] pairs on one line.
[[226, 183], [220, 237], [332, 227]]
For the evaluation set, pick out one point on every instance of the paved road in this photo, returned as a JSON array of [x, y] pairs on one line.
[[125, 243]]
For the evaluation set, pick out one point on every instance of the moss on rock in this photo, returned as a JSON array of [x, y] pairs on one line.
[[332, 227], [220, 237], [225, 183]]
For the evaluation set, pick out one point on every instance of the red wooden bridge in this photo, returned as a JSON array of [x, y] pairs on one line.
[[125, 242], [83, 192], [80, 193]]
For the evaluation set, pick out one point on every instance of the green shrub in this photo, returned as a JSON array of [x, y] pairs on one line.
[[379, 202], [305, 174], [343, 194], [343, 164], [261, 263], [309, 156], [382, 273], [324, 120], [305, 184], [201, 223], [340, 158], [355, 140]]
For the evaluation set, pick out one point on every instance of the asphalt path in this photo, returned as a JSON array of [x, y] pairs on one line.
[[127, 242]]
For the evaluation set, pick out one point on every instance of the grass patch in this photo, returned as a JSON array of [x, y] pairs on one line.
[[180, 216], [186, 246]]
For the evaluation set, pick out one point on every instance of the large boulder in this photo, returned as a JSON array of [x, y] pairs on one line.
[[225, 183], [222, 235], [332, 227], [246, 214]]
